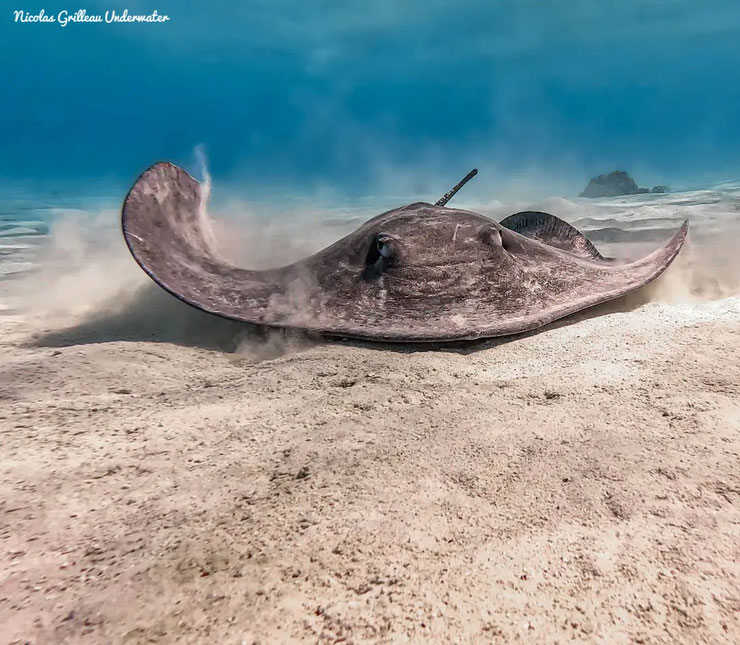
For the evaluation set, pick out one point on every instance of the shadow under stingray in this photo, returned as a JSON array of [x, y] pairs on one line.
[[153, 315]]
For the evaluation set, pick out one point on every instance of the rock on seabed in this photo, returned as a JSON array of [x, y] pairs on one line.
[[617, 183]]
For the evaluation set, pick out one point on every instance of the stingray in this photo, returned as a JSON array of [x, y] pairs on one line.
[[419, 273]]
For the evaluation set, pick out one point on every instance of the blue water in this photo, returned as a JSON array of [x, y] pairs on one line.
[[292, 96]]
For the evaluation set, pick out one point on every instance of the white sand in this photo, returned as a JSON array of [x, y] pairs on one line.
[[578, 484]]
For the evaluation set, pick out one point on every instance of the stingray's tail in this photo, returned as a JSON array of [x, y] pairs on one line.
[[449, 195]]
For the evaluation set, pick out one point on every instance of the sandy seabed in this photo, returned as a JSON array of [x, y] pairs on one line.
[[580, 484]]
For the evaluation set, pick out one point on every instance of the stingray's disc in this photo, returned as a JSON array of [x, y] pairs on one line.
[[417, 273]]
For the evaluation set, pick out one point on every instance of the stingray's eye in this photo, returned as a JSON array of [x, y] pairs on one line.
[[382, 253], [384, 244], [490, 235]]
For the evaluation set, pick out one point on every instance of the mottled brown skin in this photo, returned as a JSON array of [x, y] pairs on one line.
[[447, 274]]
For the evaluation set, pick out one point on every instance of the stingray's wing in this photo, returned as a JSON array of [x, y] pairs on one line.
[[166, 229], [578, 285], [168, 233], [552, 230]]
